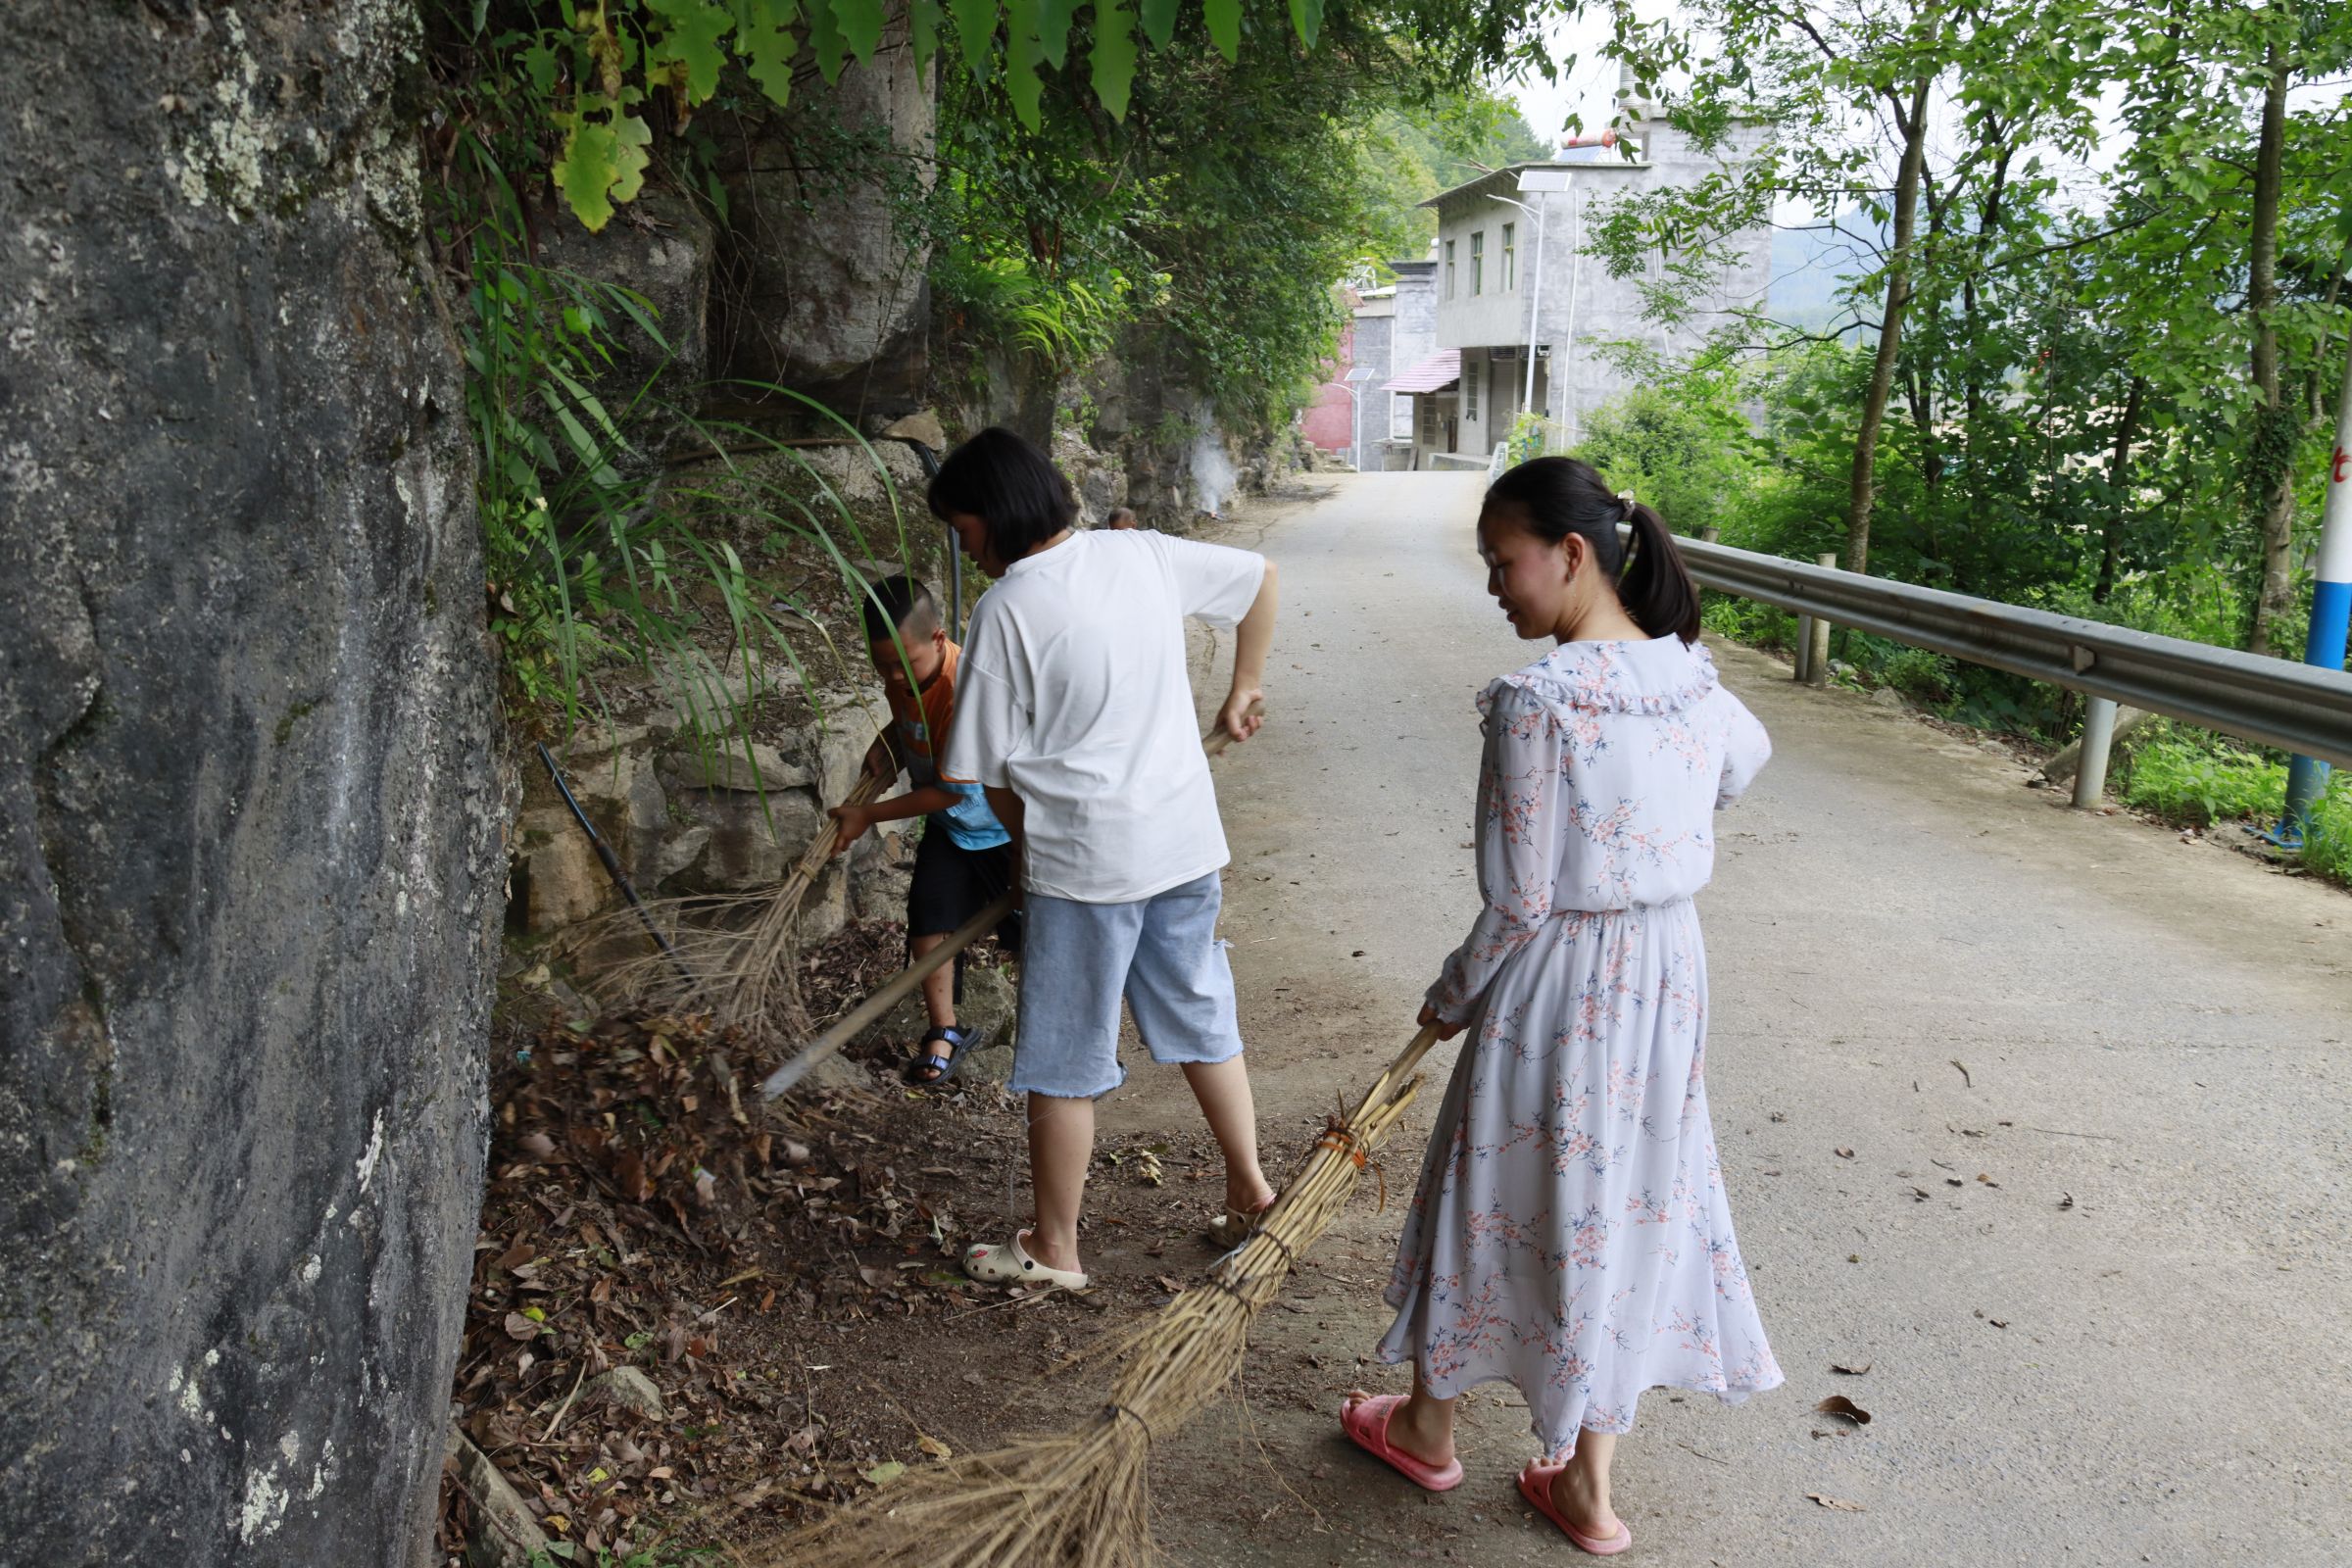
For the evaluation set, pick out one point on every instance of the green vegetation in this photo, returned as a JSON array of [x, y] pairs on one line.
[[609, 72], [1215, 215], [2101, 349], [594, 559], [2184, 780]]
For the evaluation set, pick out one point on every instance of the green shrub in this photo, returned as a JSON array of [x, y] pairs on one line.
[[2202, 782], [1925, 677], [2328, 839], [1744, 620]]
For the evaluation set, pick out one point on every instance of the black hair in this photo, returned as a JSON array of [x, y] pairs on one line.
[[1556, 496], [1007, 484], [899, 601]]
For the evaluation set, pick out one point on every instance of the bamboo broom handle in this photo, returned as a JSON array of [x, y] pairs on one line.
[[1217, 740], [881, 1001], [820, 848]]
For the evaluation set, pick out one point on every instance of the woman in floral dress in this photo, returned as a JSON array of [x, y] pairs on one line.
[[1570, 1234]]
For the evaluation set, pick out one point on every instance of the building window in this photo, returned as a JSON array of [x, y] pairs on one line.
[[1400, 416], [1509, 279], [1429, 421], [1450, 268], [1470, 374], [1478, 262]]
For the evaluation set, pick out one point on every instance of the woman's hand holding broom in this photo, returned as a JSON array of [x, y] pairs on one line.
[[1429, 1019]]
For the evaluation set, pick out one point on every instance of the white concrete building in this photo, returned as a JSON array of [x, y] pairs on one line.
[[1510, 280], [1396, 328]]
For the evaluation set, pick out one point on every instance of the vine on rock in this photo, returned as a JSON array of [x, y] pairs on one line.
[[599, 67]]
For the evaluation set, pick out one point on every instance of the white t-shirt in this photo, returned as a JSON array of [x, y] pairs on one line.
[[1073, 695]]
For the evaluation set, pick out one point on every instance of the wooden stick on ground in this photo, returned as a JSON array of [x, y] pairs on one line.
[[903, 983], [1083, 1497]]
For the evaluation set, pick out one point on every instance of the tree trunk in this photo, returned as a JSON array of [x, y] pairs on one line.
[[2270, 465], [1989, 227], [2119, 463], [1863, 490]]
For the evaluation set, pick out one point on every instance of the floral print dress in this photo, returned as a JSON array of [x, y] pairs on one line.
[[1570, 1234]]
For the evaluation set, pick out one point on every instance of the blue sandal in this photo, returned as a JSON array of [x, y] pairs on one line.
[[933, 1068]]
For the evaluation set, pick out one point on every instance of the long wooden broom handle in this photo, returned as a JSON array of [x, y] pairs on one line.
[[897, 989]]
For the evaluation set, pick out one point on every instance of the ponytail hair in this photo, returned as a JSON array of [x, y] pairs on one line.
[[1556, 496]]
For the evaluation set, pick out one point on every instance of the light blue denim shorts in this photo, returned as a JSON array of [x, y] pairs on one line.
[[1078, 959]]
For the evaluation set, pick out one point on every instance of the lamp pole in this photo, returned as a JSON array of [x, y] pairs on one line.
[[1535, 301]]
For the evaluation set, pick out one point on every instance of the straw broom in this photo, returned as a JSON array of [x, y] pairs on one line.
[[740, 970], [764, 975], [1083, 1497]]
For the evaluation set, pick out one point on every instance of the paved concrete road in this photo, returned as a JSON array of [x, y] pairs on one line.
[[2099, 1279]]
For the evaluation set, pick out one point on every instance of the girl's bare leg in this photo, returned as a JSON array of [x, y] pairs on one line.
[[1061, 1145], [1223, 1090], [1423, 1425], [1581, 1491]]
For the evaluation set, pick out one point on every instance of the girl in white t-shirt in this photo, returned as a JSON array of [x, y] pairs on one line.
[[1075, 714]]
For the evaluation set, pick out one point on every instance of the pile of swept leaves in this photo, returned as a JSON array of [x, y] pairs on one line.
[[645, 1211]]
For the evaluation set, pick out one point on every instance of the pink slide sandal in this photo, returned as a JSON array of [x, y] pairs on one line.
[[1535, 1484], [1366, 1420]]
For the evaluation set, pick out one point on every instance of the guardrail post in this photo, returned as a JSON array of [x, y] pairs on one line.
[[1710, 536], [2090, 773], [2330, 615], [1815, 635]]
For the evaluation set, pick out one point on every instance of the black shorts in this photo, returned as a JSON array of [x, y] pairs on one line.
[[952, 884]]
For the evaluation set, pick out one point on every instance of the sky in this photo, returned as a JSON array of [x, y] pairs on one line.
[[1588, 89]]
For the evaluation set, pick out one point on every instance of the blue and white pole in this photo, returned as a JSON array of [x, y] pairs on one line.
[[2331, 610]]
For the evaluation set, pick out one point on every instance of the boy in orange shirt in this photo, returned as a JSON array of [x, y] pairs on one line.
[[965, 857]]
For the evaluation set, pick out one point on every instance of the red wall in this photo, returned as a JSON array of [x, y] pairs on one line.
[[1329, 421]]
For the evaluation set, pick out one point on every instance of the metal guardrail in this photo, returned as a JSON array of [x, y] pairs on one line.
[[2297, 707]]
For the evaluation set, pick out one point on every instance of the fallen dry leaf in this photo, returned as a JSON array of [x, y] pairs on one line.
[[1846, 1153], [1853, 1371], [1839, 1404], [934, 1448], [1838, 1503], [520, 1327], [2065, 1201], [1987, 1180]]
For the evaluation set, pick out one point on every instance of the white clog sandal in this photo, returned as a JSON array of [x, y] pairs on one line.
[[1012, 1265]]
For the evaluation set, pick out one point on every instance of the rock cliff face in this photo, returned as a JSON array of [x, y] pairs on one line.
[[248, 813], [818, 289]]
